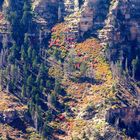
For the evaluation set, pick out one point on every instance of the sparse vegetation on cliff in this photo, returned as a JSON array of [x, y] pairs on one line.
[[69, 70]]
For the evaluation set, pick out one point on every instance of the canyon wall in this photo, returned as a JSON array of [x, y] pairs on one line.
[[115, 23]]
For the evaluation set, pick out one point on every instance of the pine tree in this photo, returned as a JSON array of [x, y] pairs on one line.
[[48, 116], [48, 84], [53, 99], [47, 130], [30, 53], [23, 54], [14, 53], [34, 54], [30, 81], [37, 99], [57, 87], [134, 66], [126, 66], [35, 63], [26, 20], [23, 92], [39, 118]]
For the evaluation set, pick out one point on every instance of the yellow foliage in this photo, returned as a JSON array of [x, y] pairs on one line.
[[90, 52], [55, 72], [59, 28], [10, 102]]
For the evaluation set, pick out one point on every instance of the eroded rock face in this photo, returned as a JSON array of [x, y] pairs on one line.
[[119, 16], [126, 119], [121, 32], [5, 37], [47, 14], [87, 16], [47, 11], [93, 16]]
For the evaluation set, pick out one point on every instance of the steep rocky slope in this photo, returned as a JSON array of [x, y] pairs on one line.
[[121, 32], [69, 69], [14, 120], [93, 95]]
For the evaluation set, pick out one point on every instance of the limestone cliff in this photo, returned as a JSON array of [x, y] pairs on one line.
[[121, 32]]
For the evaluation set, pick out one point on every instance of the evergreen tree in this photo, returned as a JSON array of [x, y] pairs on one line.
[[37, 99], [134, 66], [30, 81], [57, 87], [23, 54], [23, 92], [26, 20], [47, 130], [48, 116], [30, 53], [53, 100], [39, 118]]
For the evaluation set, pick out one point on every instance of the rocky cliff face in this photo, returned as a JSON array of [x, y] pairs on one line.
[[125, 118], [4, 26], [121, 31], [46, 15], [95, 15], [14, 119]]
